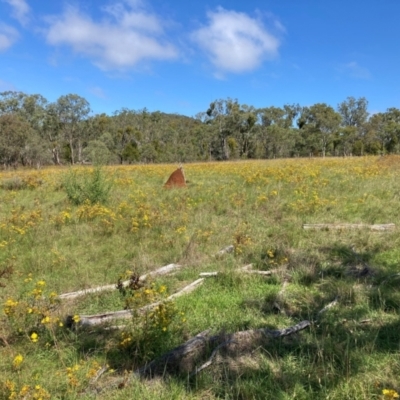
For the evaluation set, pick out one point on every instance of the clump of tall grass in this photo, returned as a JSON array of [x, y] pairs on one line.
[[92, 187], [13, 183]]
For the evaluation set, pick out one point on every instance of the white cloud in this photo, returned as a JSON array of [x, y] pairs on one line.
[[98, 92], [355, 70], [20, 10], [128, 35], [8, 36], [235, 42]]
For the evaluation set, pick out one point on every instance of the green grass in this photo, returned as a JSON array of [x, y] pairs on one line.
[[350, 352]]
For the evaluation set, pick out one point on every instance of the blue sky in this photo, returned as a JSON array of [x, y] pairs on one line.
[[178, 56]]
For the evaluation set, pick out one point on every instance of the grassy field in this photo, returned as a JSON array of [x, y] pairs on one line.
[[50, 244]]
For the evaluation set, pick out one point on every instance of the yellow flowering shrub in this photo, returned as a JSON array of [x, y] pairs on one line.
[[33, 312]]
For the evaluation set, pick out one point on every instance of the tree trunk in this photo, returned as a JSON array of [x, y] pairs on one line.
[[56, 156], [71, 146], [80, 161]]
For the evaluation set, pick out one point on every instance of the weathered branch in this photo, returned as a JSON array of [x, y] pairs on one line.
[[330, 305], [279, 298], [160, 271], [99, 373], [226, 250], [378, 227], [247, 269], [185, 357], [97, 319], [210, 360]]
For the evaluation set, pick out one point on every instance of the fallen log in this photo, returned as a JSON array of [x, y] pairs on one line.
[[378, 227], [185, 357], [98, 319], [160, 271], [248, 269]]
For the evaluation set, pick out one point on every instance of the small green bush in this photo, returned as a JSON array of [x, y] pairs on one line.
[[92, 187]]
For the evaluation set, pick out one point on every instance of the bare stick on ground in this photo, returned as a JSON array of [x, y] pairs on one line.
[[378, 227], [160, 271], [248, 269], [328, 306], [97, 319], [226, 250]]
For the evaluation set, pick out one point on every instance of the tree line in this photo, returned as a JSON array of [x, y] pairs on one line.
[[35, 132]]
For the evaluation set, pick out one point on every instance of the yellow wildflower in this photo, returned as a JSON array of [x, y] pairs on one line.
[[10, 385], [46, 320], [34, 337], [24, 390], [390, 394], [18, 360]]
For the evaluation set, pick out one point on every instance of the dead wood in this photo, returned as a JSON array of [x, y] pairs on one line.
[[226, 250], [279, 300], [248, 269], [99, 373], [378, 227], [4, 340], [183, 359], [97, 319], [160, 271], [330, 305], [210, 360]]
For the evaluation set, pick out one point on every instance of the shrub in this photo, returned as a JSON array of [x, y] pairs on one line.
[[90, 187]]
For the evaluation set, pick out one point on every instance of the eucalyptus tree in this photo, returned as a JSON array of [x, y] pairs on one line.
[[11, 102], [32, 110], [72, 110], [354, 115], [218, 116], [376, 136], [14, 131], [392, 118], [277, 133], [319, 124], [204, 136], [126, 135], [52, 133], [231, 120], [384, 128], [247, 131]]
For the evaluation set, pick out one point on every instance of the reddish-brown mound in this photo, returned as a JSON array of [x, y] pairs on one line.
[[177, 179]]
